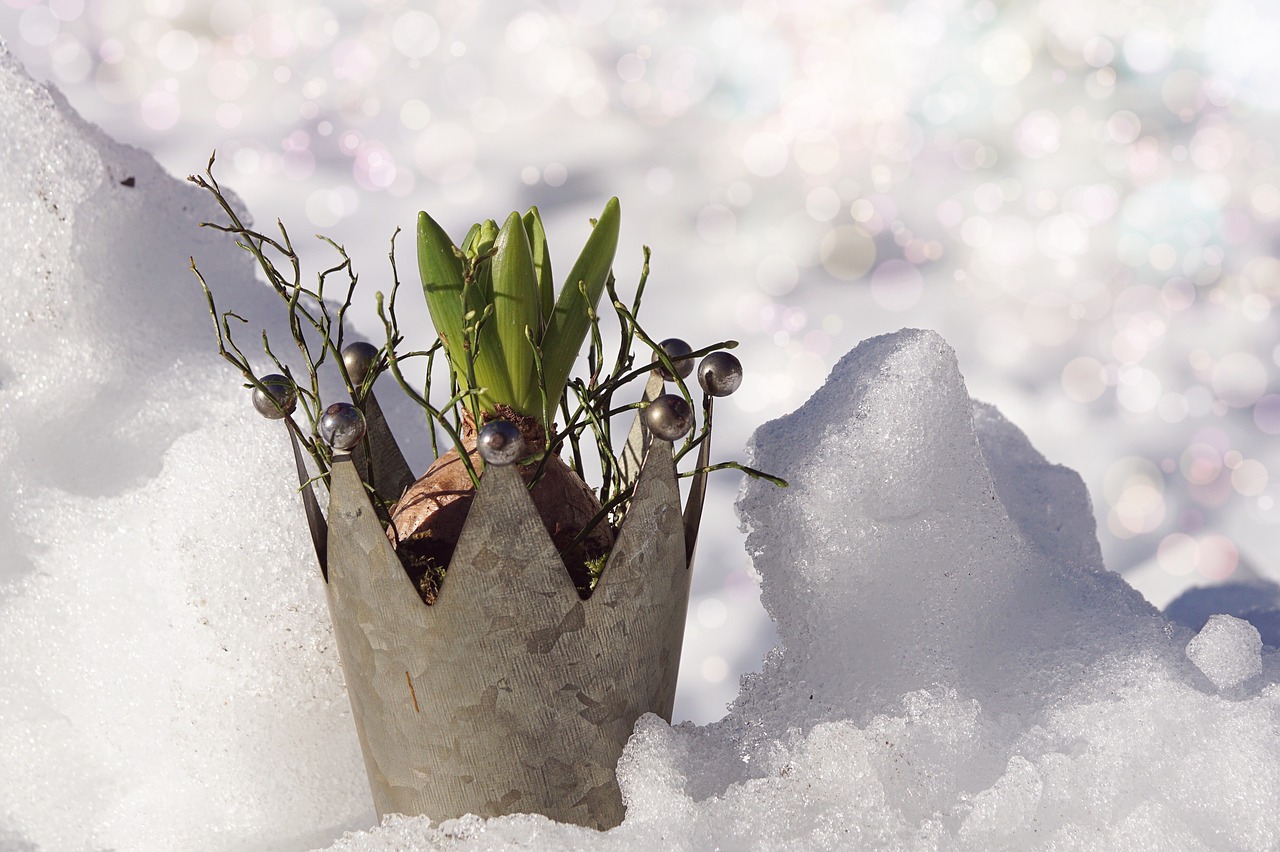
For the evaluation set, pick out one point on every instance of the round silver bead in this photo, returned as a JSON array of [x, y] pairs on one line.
[[279, 401], [675, 348], [342, 426], [669, 417], [500, 443], [720, 373], [359, 358]]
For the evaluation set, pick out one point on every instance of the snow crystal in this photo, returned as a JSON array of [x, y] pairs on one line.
[[1228, 650]]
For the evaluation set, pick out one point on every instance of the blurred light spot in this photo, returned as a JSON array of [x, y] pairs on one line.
[[1082, 379], [659, 180], [714, 668], [765, 154], [1200, 463], [847, 252], [1139, 389], [1147, 51], [1123, 127], [1002, 339], [327, 207], [1135, 489], [1039, 133], [1172, 408], [896, 285], [1005, 57], [415, 114], [526, 31], [822, 203], [177, 50], [66, 10], [1239, 379], [160, 109], [38, 26], [1266, 414], [415, 34], [1178, 554], [716, 224], [712, 613], [777, 274], [1218, 557], [1250, 477]]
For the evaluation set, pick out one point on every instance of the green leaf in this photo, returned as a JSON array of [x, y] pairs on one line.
[[516, 304], [441, 269], [541, 265], [570, 320], [457, 305]]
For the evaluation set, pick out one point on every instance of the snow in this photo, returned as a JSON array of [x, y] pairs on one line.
[[1228, 650], [955, 666]]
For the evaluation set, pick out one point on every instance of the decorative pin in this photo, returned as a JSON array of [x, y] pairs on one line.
[[669, 417], [342, 426], [720, 373], [359, 358], [279, 401], [500, 443], [675, 348]]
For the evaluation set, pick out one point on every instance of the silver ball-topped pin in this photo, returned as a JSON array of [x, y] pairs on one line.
[[500, 443], [359, 358], [675, 348], [280, 399], [669, 417], [720, 373], [342, 426]]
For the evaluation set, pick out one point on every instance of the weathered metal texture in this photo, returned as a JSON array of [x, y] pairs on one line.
[[310, 505], [510, 694], [638, 437], [698, 488], [389, 473]]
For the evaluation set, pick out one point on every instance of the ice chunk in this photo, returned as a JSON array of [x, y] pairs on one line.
[[1228, 650]]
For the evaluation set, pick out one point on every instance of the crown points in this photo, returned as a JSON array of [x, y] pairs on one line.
[[675, 348], [358, 359], [280, 399], [500, 443], [720, 373], [342, 426], [669, 417]]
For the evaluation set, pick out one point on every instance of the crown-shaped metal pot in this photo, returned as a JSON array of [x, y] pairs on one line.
[[510, 693]]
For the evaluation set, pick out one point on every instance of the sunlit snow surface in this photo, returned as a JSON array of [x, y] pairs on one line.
[[1082, 198]]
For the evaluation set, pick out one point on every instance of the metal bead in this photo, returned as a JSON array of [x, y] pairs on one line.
[[669, 417], [720, 373], [675, 348], [283, 397], [342, 426], [359, 358], [500, 443]]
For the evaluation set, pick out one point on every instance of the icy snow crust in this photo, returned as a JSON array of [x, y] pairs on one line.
[[956, 668]]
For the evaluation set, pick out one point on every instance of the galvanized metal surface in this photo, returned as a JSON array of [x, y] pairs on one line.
[[389, 473], [511, 694], [698, 488], [315, 518], [638, 437]]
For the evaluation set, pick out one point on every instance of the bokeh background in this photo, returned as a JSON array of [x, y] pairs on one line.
[[1083, 198]]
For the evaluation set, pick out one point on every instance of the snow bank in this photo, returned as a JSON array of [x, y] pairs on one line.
[[168, 672], [956, 668]]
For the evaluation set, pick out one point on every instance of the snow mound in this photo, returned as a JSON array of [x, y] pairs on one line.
[[167, 665], [956, 668]]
